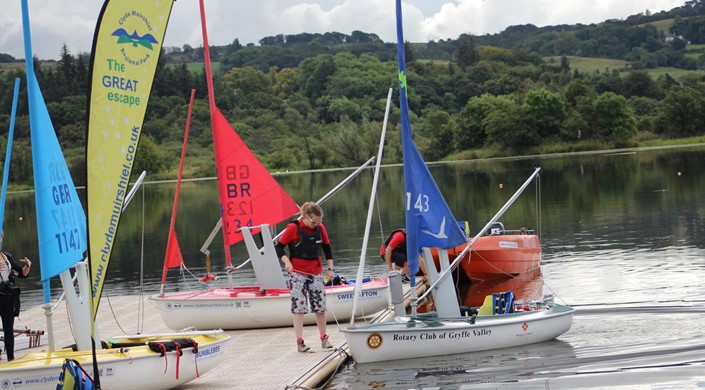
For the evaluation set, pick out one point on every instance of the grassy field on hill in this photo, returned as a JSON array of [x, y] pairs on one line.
[[661, 25], [19, 65], [197, 67], [590, 65], [676, 73], [695, 51]]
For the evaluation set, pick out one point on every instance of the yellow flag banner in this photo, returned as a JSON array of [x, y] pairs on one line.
[[126, 46]]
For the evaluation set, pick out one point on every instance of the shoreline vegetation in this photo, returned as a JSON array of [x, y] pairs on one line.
[[305, 102]]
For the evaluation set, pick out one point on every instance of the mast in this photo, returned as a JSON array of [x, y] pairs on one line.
[[8, 153], [370, 209], [172, 257], [212, 108]]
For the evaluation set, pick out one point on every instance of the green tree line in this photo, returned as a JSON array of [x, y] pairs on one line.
[[326, 110]]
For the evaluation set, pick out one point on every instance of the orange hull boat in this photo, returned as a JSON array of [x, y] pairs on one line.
[[526, 287], [498, 256]]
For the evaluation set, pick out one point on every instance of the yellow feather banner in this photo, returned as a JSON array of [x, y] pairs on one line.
[[127, 42]]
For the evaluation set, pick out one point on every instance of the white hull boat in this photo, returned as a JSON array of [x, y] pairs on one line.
[[251, 307], [145, 361], [262, 203], [407, 337], [134, 367], [450, 329]]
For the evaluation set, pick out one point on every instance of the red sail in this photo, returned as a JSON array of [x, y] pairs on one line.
[[249, 195], [173, 252], [173, 257]]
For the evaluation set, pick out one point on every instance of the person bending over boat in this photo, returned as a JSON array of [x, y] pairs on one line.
[[393, 252], [305, 239], [10, 296]]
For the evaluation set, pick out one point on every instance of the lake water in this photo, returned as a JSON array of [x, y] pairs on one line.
[[623, 241]]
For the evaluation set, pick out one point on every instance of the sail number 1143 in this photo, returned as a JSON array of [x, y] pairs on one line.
[[68, 240]]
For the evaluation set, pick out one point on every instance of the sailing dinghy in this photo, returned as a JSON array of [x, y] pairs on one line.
[[430, 224], [251, 200], [159, 361]]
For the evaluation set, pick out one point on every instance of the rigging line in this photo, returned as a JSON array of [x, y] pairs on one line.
[[107, 298], [553, 292], [140, 306], [381, 227], [468, 246], [538, 205], [539, 293], [379, 212], [68, 315], [364, 316], [540, 209], [324, 385], [184, 270], [141, 303], [335, 317], [487, 262], [181, 272]]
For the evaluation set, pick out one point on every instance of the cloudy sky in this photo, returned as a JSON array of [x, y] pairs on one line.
[[58, 22]]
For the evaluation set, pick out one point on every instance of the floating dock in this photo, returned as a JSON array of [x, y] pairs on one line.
[[255, 359]]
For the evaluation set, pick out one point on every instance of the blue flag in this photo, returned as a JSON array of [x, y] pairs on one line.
[[429, 221], [61, 222]]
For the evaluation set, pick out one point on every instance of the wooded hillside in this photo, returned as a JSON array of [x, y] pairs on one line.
[[311, 101]]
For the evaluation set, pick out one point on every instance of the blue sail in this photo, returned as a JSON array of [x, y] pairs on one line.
[[61, 222], [429, 221], [6, 168]]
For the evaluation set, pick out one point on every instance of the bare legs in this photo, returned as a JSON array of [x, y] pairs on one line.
[[299, 325], [321, 322]]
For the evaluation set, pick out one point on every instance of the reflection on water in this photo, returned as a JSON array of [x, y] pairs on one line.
[[469, 368], [623, 241], [635, 345]]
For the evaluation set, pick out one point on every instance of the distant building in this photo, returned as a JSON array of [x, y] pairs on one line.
[[671, 37]]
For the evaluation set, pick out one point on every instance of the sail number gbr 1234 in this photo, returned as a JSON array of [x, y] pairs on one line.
[[238, 208]]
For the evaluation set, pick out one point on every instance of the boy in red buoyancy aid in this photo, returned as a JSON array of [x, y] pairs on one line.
[[393, 251]]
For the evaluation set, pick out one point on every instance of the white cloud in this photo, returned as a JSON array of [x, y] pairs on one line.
[[55, 23], [489, 17]]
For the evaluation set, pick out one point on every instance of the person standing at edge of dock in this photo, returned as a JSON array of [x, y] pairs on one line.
[[10, 295], [305, 238]]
